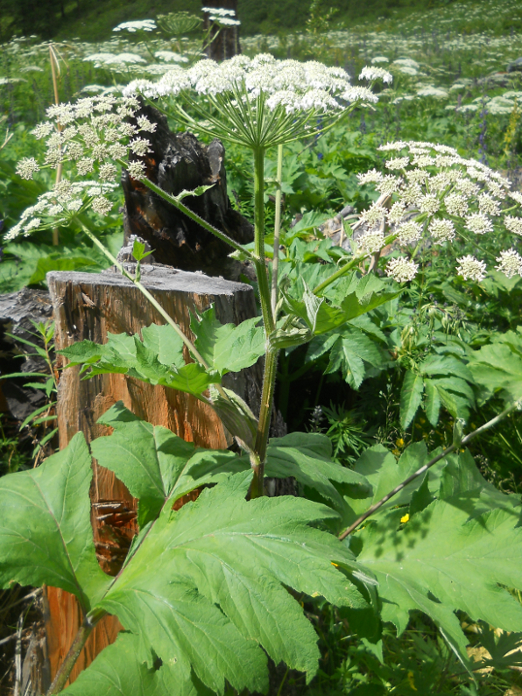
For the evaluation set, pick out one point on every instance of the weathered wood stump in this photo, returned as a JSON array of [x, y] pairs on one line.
[[89, 306]]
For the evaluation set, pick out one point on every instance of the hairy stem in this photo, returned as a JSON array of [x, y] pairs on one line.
[[425, 468], [79, 641], [268, 319], [194, 216], [277, 226]]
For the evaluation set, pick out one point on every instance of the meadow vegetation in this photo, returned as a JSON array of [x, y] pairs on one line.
[[426, 353]]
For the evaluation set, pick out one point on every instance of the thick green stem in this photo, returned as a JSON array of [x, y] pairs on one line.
[[79, 641], [270, 371], [277, 226], [194, 216], [348, 266], [192, 348], [259, 243]]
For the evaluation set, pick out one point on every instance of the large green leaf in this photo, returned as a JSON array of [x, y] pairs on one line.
[[226, 347], [223, 551], [157, 359], [154, 463], [118, 671], [384, 472], [307, 457], [45, 526], [456, 553]]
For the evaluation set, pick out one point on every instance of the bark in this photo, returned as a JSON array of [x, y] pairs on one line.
[[178, 162], [89, 306]]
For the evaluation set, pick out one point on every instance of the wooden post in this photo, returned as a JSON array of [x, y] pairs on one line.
[[89, 306]]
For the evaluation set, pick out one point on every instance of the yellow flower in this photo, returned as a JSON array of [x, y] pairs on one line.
[[405, 518], [399, 442]]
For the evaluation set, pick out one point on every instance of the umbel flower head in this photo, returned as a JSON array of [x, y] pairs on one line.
[[258, 102], [430, 195], [95, 138]]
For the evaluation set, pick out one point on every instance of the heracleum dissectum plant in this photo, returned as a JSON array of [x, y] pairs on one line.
[[258, 103]]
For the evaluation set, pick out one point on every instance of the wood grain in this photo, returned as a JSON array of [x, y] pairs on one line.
[[89, 306]]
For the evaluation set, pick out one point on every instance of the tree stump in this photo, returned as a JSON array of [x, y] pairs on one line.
[[224, 41], [89, 306]]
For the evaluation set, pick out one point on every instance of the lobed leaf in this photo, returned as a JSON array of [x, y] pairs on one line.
[[238, 555], [226, 347], [157, 359], [155, 464], [45, 526]]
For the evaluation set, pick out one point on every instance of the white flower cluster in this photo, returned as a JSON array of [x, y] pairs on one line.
[[57, 207], [285, 81], [94, 135], [243, 90], [371, 74], [141, 25], [435, 193], [221, 15]]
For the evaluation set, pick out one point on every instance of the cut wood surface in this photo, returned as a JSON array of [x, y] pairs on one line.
[[89, 306]]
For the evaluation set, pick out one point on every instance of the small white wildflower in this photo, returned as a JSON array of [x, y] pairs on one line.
[[516, 196], [429, 204], [63, 113], [466, 186], [74, 150], [417, 176], [55, 210], [146, 125], [85, 166], [108, 172], [380, 59], [32, 225], [42, 130], [99, 152], [456, 204], [370, 177], [27, 167], [412, 194], [363, 94], [370, 242], [374, 214], [423, 161], [409, 232], [441, 230], [101, 205], [397, 212], [496, 189], [471, 268], [393, 147], [402, 270], [389, 184], [74, 205], [440, 182], [140, 147], [479, 223], [513, 224], [117, 151], [488, 205], [63, 190], [136, 170], [371, 74], [510, 263], [398, 163]]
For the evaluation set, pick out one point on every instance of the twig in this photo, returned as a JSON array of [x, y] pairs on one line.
[[425, 468], [18, 656]]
